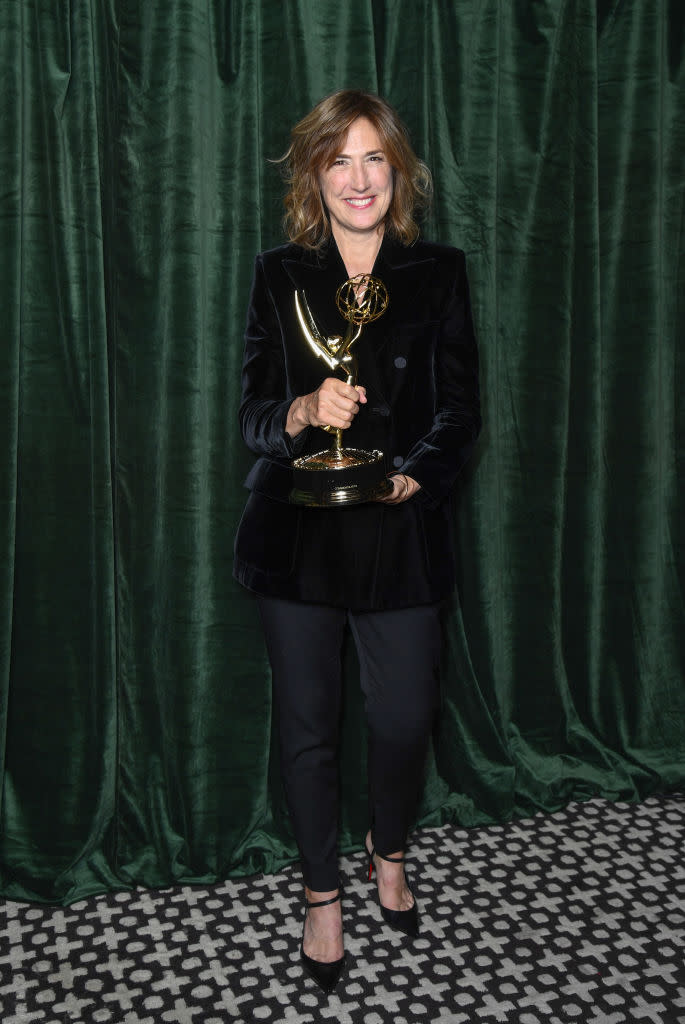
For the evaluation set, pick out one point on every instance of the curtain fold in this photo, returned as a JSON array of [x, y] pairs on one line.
[[58, 594], [138, 183]]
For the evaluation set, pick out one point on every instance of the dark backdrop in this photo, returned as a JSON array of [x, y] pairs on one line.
[[135, 189]]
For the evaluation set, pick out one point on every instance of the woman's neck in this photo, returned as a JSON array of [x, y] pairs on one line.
[[358, 252]]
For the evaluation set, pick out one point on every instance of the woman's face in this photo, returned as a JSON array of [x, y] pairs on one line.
[[357, 187]]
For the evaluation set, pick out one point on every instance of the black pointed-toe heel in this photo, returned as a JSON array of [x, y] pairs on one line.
[[326, 975], [405, 921]]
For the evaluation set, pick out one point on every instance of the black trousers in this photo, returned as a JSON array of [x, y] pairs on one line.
[[399, 655]]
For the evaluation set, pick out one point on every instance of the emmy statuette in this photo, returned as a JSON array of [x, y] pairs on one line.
[[341, 476]]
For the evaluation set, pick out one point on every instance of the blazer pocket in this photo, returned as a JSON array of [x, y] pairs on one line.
[[268, 535], [270, 478]]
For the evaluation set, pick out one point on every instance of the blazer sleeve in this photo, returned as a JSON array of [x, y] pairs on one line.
[[265, 401], [436, 458]]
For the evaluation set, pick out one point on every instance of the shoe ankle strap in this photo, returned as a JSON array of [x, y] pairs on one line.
[[390, 860], [323, 903]]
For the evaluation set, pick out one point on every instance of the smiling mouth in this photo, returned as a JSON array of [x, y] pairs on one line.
[[360, 204]]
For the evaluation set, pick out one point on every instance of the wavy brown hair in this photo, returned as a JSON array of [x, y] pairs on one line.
[[316, 141]]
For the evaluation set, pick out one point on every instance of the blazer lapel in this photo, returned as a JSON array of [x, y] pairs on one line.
[[319, 275], [406, 278]]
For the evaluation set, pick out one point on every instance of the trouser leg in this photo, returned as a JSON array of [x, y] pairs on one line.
[[399, 655], [304, 642]]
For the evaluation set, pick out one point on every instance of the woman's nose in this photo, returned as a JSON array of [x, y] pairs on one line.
[[359, 176]]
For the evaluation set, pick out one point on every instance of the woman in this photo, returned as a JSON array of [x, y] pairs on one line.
[[384, 566]]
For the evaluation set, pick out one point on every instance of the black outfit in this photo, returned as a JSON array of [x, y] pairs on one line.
[[419, 366], [399, 656]]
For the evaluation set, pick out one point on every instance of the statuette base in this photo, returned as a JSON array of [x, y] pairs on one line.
[[330, 478]]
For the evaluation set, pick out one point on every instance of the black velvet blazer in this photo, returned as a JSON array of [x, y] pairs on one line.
[[419, 365]]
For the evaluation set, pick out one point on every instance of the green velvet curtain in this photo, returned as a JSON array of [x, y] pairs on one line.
[[135, 190]]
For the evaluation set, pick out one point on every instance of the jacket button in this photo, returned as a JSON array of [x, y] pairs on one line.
[[397, 460], [400, 362]]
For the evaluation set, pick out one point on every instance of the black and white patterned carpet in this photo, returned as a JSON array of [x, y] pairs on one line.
[[577, 916]]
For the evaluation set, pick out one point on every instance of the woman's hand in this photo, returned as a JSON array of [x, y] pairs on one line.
[[333, 404], [403, 487]]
